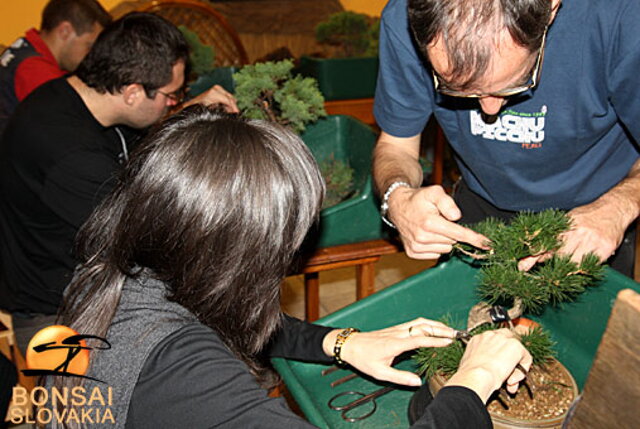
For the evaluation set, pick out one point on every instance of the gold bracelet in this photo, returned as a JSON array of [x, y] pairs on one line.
[[340, 340]]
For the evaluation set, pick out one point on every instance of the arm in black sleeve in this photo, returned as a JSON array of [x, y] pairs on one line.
[[192, 380], [455, 407], [78, 183], [299, 340]]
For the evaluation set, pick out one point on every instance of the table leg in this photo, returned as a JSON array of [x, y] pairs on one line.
[[365, 278], [312, 296]]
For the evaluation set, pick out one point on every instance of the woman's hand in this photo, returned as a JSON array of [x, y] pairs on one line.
[[373, 352], [489, 360]]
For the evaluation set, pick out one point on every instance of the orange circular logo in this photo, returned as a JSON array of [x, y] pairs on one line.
[[58, 348]]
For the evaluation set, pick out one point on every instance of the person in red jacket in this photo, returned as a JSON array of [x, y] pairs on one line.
[[67, 32]]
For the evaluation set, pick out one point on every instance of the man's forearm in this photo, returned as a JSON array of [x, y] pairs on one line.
[[396, 162], [624, 198]]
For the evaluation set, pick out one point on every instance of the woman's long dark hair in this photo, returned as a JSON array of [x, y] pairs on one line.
[[216, 207]]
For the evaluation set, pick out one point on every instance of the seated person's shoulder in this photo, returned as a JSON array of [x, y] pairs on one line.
[[191, 379]]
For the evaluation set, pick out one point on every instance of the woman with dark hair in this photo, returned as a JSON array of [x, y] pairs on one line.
[[181, 272]]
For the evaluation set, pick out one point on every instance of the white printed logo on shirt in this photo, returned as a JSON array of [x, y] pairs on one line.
[[526, 129]]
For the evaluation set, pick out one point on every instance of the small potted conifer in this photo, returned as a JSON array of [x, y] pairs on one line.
[[352, 70]]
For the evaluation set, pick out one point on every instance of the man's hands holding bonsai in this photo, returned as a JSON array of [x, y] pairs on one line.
[[426, 218]]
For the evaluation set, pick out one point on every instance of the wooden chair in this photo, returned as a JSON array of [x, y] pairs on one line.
[[204, 20]]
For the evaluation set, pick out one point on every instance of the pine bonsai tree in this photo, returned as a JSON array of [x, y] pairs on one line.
[[353, 32], [269, 91], [530, 234], [501, 282], [446, 360]]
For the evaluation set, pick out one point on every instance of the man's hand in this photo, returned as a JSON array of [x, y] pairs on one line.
[[426, 218], [373, 352], [597, 228], [215, 95]]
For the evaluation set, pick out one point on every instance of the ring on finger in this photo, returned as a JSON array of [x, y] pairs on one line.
[[410, 329]]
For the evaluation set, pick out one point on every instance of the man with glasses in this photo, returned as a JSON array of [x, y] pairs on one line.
[[537, 99], [63, 148]]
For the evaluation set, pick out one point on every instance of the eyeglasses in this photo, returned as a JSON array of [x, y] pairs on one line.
[[177, 96], [533, 81]]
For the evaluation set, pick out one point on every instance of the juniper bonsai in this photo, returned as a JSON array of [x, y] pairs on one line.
[[269, 91]]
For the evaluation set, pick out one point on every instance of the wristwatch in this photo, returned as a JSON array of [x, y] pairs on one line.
[[384, 207]]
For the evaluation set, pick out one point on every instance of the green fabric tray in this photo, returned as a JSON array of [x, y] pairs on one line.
[[448, 288]]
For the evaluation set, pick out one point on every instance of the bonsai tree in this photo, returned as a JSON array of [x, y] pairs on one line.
[[356, 34], [446, 360], [530, 234], [556, 280], [201, 57], [338, 177], [270, 91]]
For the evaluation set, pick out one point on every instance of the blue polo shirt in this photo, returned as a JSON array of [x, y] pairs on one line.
[[560, 145]]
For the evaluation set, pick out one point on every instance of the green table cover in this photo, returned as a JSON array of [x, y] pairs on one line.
[[449, 288]]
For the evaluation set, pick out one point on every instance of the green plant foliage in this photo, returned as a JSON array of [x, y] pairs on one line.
[[338, 177], [353, 32], [201, 57], [374, 39], [530, 234], [446, 360], [443, 360], [268, 91], [539, 344]]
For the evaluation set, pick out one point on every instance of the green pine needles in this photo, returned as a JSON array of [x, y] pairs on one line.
[[556, 280], [269, 91], [530, 234], [446, 360]]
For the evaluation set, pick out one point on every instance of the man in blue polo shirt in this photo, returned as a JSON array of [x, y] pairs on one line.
[[539, 103]]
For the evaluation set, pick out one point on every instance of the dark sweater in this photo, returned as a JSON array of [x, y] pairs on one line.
[[169, 370]]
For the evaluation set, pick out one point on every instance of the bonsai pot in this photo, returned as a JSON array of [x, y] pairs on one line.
[[551, 385], [357, 218], [342, 78]]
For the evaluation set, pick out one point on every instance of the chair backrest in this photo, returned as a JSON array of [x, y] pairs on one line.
[[212, 28]]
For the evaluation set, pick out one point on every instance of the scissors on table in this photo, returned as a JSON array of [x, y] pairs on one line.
[[361, 399]]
